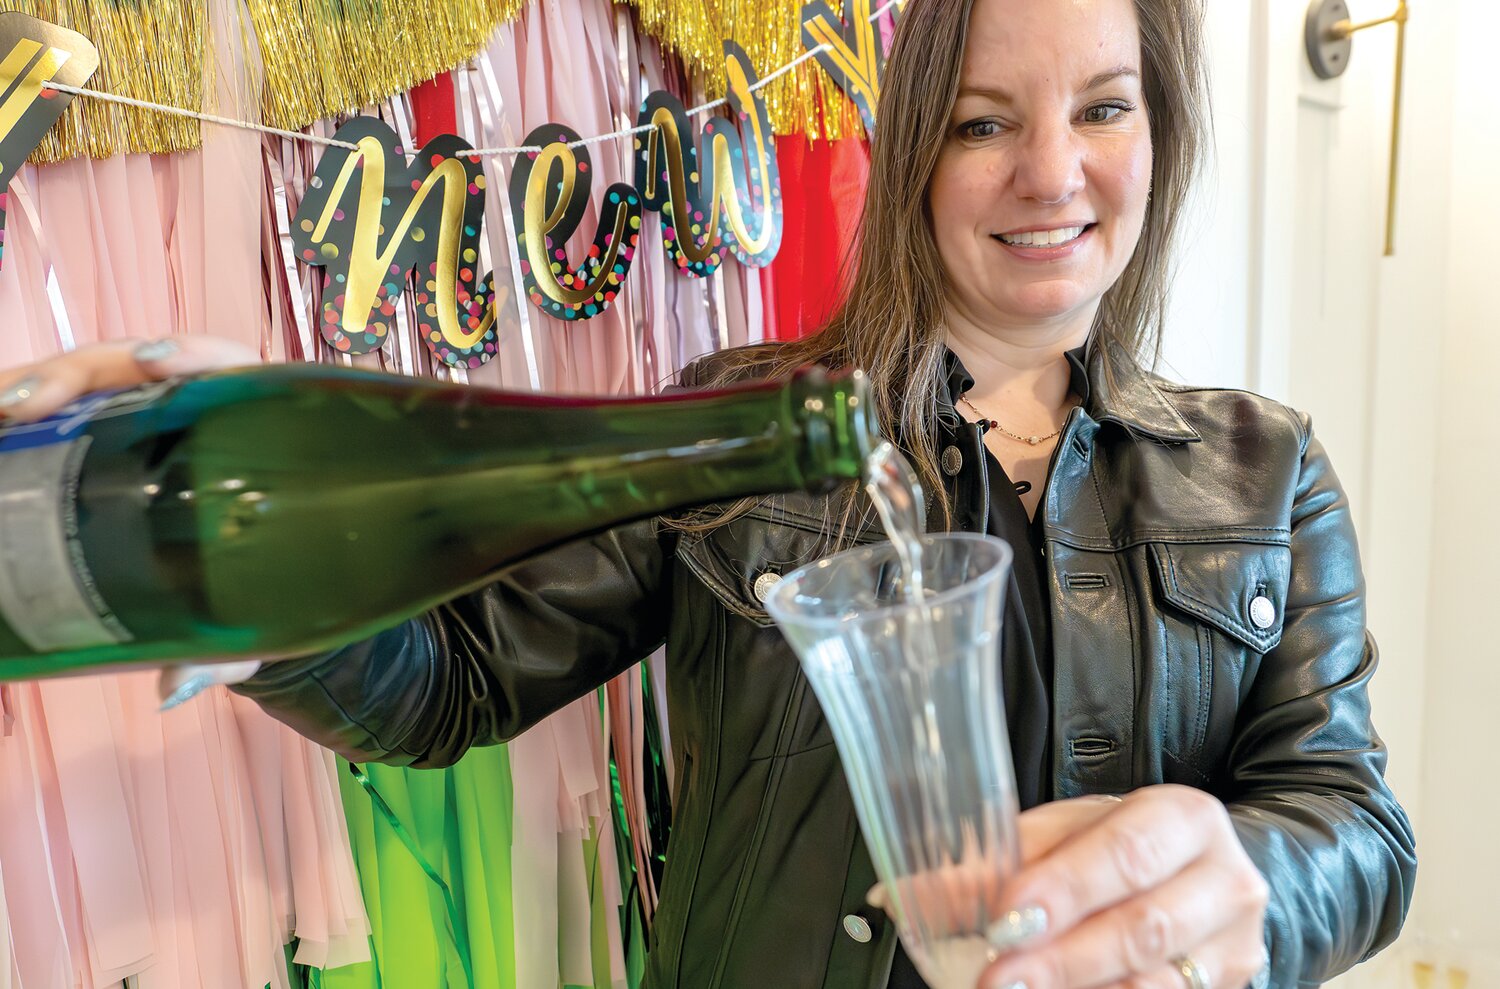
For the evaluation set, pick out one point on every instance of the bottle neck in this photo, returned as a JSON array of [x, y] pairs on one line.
[[836, 416]]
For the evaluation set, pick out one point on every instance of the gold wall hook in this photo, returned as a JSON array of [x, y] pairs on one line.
[[1329, 36]]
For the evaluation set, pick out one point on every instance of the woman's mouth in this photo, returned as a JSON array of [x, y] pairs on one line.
[[1056, 241]]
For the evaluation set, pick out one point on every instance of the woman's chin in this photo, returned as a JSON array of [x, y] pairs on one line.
[[1052, 308]]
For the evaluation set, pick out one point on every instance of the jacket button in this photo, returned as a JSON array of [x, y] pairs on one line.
[[857, 928], [764, 584], [1262, 612], [953, 461]]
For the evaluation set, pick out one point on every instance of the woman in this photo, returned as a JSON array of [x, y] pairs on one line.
[[1185, 625]]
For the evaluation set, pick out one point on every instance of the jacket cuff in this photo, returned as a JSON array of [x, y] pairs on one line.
[[361, 700]]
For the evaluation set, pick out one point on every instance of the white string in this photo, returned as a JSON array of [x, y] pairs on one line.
[[704, 108], [178, 111], [292, 135]]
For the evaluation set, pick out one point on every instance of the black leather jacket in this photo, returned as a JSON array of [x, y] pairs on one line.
[[1208, 615]]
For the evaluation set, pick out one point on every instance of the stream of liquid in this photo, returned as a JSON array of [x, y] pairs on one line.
[[946, 958], [893, 486]]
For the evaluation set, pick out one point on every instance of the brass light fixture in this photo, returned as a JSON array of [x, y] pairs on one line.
[[1329, 35]]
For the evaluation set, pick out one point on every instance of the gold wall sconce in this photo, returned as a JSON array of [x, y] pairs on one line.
[[1330, 41]]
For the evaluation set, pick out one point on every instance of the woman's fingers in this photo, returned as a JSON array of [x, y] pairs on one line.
[[1040, 830], [40, 389], [1208, 911], [1136, 845], [964, 897], [1160, 876], [191, 354], [179, 684], [1048, 825]]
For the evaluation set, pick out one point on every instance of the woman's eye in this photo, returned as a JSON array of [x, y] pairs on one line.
[[1103, 113], [980, 128]]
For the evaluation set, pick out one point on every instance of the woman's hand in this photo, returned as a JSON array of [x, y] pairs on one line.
[[1135, 892], [38, 390]]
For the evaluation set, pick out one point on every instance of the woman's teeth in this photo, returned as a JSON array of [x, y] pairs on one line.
[[1043, 238]]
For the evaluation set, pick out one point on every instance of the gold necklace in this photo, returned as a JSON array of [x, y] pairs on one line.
[[994, 424]]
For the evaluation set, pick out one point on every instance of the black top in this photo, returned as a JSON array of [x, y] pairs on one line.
[[1025, 641]]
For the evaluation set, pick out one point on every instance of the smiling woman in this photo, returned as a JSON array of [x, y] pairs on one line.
[[1040, 191], [1184, 623], [1003, 120]]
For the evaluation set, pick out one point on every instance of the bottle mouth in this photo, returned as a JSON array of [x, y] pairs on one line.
[[837, 414]]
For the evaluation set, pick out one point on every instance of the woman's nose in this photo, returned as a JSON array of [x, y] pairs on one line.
[[1050, 169]]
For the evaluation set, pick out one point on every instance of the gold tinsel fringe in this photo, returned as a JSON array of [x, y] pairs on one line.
[[805, 100], [147, 51], [323, 57], [320, 58], [326, 56]]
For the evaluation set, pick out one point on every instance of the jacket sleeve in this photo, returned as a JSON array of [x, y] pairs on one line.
[[1309, 798], [486, 666], [483, 667]]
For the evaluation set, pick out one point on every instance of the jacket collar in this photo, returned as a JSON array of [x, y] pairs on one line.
[[1129, 396]]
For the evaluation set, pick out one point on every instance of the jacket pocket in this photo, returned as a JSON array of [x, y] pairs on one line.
[[740, 561], [1221, 608], [733, 582], [1237, 588]]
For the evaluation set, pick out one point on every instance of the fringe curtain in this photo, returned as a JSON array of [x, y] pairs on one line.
[[321, 57], [549, 846]]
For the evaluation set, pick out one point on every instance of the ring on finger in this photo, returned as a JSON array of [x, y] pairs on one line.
[[1192, 973]]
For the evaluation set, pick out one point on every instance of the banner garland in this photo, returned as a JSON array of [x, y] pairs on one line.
[[700, 230], [850, 50], [370, 218], [549, 191], [717, 195]]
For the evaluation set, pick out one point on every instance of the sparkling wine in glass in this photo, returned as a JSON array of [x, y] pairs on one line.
[[905, 664]]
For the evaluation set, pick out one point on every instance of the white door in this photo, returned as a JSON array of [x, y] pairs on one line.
[[1284, 290]]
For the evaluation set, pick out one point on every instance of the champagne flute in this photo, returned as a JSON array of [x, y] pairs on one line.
[[910, 685]]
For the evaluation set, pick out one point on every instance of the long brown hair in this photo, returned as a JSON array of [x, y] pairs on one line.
[[890, 322]]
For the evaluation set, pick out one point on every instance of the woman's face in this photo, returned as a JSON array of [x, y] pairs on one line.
[[1041, 186]]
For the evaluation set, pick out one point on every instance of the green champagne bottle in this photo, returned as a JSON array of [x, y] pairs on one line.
[[286, 510]]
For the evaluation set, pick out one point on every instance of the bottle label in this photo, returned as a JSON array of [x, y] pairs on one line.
[[47, 595]]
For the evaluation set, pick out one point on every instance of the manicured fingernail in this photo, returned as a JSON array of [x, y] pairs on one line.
[[1012, 984], [156, 350], [189, 689], [20, 391], [1017, 928]]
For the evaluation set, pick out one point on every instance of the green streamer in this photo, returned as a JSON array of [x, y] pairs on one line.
[[457, 930]]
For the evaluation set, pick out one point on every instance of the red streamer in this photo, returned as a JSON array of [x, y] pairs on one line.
[[822, 194], [434, 107]]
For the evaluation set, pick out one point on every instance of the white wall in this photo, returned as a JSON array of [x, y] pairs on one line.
[[1456, 918], [1284, 290], [1209, 319]]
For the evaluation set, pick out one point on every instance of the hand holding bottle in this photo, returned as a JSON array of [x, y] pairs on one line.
[[35, 391], [291, 510]]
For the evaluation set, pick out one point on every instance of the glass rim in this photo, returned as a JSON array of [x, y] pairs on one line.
[[783, 586]]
